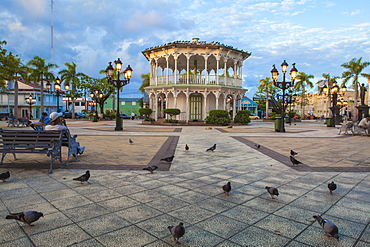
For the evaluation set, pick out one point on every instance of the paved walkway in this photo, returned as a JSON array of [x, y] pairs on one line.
[[133, 207]]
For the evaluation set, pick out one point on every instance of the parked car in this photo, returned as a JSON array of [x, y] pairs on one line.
[[125, 116], [254, 117], [78, 115]]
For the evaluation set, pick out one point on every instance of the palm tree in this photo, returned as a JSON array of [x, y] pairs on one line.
[[70, 76], [302, 81], [145, 83], [354, 69], [40, 70], [328, 81], [266, 87]]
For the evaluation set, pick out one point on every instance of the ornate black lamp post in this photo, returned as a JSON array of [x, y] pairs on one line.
[[57, 88], [66, 87], [118, 84], [332, 94], [30, 100], [283, 85], [96, 95]]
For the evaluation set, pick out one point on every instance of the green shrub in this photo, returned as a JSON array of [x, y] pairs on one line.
[[170, 121], [149, 119], [274, 115], [145, 111], [172, 112], [219, 117], [242, 117]]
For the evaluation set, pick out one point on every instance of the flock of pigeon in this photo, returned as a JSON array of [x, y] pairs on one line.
[[178, 231]]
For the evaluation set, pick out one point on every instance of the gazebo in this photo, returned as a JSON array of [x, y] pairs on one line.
[[195, 77]]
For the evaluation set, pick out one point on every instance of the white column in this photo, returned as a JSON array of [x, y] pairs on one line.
[[187, 69], [234, 106], [217, 97], [217, 67], [167, 74], [187, 107], [156, 73], [175, 72], [204, 112], [156, 107], [225, 72], [206, 69]]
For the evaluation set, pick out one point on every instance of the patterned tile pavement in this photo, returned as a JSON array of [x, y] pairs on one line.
[[133, 207]]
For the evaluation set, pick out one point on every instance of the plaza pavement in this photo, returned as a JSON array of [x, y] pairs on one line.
[[126, 206]]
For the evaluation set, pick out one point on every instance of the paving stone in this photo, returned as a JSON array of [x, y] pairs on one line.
[[62, 236], [222, 226], [103, 224], [11, 232], [245, 214], [131, 235], [138, 213], [253, 236]]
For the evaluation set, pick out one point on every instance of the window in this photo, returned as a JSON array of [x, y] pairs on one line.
[[123, 102], [83, 104], [77, 103], [133, 102]]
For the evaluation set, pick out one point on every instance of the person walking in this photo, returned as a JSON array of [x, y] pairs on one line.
[[132, 115]]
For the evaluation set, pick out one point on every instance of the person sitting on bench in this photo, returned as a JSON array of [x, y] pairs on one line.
[[44, 120], [59, 123]]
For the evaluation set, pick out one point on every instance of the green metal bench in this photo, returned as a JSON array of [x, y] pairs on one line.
[[43, 142]]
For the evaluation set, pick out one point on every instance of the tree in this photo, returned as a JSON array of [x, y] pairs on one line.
[[102, 86], [70, 76], [328, 81], [145, 83], [40, 70], [354, 69], [302, 81], [10, 68], [267, 87], [172, 112]]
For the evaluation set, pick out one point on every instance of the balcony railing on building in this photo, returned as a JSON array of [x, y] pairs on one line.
[[196, 79]]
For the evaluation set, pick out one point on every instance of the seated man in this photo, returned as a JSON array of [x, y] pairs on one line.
[[365, 124], [59, 123], [44, 120]]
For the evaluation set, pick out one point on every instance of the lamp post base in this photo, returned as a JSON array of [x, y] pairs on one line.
[[118, 124]]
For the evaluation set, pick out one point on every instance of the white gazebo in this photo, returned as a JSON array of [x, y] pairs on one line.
[[195, 77]]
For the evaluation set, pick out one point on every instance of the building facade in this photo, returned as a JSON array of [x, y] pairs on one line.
[[195, 77], [7, 100]]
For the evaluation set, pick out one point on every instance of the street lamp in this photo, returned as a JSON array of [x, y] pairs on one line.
[[66, 87], [57, 88], [332, 94], [118, 84], [30, 100], [283, 85], [96, 95]]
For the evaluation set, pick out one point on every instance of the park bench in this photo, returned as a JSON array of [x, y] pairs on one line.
[[43, 142]]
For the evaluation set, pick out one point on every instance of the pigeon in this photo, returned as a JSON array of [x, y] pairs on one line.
[[177, 231], [186, 147], [294, 161], [330, 228], [83, 178], [130, 141], [151, 168], [26, 217], [227, 188], [273, 191], [211, 148], [257, 145], [168, 159], [292, 153], [332, 186], [4, 176]]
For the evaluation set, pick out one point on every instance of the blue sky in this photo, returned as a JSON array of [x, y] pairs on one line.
[[317, 35]]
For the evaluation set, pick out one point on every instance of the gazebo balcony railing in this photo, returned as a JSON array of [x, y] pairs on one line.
[[196, 79]]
